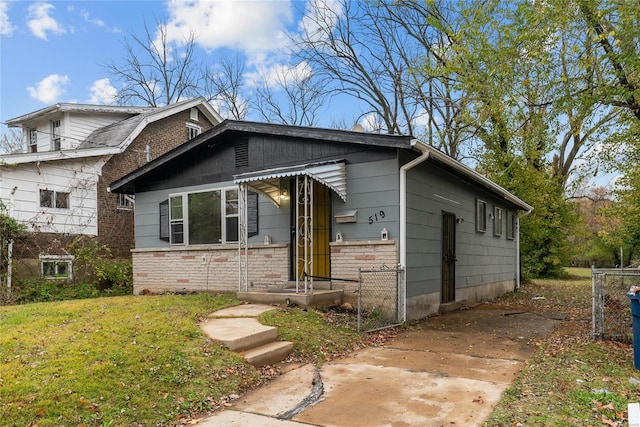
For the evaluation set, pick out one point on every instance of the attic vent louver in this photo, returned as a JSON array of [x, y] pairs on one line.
[[242, 153]]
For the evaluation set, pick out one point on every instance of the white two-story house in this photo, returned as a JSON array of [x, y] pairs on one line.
[[57, 186]]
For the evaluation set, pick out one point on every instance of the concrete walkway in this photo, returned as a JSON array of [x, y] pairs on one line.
[[447, 372]]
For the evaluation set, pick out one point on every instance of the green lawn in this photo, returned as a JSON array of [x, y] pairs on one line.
[[126, 361]]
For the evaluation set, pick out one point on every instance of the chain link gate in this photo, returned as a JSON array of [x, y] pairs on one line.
[[611, 308], [380, 298]]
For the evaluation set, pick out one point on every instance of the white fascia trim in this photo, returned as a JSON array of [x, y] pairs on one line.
[[72, 107], [16, 159]]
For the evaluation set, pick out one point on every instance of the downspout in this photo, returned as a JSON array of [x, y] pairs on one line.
[[518, 272], [403, 214]]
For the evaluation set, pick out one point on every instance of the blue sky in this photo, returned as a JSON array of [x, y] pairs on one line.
[[53, 51]]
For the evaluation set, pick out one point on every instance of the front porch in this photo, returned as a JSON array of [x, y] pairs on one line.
[[289, 296]]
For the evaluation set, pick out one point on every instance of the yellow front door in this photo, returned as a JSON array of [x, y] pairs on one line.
[[314, 221], [321, 230]]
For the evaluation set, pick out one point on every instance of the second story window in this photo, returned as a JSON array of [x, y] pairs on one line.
[[55, 135], [193, 131], [33, 140], [54, 199]]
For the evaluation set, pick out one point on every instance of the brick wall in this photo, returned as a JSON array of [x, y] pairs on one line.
[[212, 269], [115, 227], [348, 257]]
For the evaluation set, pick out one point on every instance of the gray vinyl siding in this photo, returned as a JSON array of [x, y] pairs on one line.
[[482, 258], [273, 220], [371, 188]]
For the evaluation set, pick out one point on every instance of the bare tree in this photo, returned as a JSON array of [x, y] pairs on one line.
[[392, 56], [11, 141], [155, 71], [291, 96], [223, 86]]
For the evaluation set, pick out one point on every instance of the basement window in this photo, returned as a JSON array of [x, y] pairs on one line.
[[59, 267]]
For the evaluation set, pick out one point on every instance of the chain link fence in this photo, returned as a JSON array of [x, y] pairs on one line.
[[611, 307], [380, 298]]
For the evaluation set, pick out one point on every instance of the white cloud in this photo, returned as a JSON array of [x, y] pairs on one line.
[[320, 17], [97, 21], [372, 122], [278, 74], [49, 89], [250, 26], [421, 118], [40, 22], [6, 29], [102, 92]]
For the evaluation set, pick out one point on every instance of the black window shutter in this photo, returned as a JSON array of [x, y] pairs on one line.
[[164, 220], [252, 213]]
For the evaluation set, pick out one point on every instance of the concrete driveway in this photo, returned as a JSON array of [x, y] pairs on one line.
[[447, 370]]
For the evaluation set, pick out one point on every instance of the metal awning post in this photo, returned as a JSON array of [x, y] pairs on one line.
[[243, 254]]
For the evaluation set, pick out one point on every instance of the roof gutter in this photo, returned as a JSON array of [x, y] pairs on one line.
[[424, 155]]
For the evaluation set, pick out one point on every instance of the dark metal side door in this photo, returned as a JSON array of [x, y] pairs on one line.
[[448, 293]]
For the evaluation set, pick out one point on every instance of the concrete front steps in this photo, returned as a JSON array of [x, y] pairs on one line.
[[239, 330]]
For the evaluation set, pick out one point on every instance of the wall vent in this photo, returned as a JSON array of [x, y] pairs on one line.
[[242, 153]]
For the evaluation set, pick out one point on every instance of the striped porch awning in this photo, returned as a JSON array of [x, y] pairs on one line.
[[333, 174]]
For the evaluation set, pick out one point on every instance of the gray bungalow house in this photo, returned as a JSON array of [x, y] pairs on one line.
[[248, 206]]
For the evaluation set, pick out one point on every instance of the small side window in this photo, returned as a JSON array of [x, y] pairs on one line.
[[33, 140], [193, 131], [126, 202], [511, 225], [481, 216], [497, 222]]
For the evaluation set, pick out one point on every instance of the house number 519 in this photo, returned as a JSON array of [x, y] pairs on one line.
[[376, 217]]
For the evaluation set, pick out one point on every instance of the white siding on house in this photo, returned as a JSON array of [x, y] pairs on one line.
[[77, 177], [74, 128], [81, 126]]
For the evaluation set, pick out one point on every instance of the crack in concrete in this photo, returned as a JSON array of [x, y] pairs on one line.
[[316, 395]]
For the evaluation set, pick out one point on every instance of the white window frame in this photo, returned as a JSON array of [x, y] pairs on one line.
[[126, 202], [183, 221], [193, 114], [57, 261], [498, 220], [33, 140], [193, 131], [511, 225], [54, 199], [55, 135], [481, 216]]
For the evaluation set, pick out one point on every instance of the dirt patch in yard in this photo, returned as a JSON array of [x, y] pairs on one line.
[[483, 330]]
